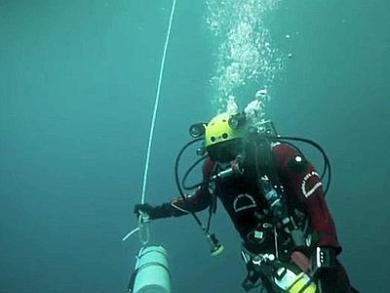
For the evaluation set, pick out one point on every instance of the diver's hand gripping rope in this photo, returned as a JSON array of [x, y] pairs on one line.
[[143, 226]]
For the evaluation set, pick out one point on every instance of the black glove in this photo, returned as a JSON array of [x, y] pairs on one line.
[[162, 211], [323, 259], [143, 209]]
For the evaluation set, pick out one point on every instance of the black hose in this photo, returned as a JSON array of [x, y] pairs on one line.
[[183, 182], [178, 180], [206, 230]]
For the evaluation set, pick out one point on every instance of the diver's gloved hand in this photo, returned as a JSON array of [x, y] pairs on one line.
[[140, 209], [157, 212], [324, 259]]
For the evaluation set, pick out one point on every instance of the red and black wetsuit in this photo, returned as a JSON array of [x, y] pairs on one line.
[[248, 209], [245, 204]]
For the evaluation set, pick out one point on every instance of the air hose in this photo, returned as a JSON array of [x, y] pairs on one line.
[[216, 246]]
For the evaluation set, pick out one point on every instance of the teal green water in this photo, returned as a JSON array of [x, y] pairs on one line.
[[78, 83]]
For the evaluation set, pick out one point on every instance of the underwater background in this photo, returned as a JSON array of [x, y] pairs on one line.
[[77, 86]]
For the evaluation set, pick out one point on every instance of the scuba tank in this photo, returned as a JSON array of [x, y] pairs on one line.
[[276, 276], [151, 274], [291, 280]]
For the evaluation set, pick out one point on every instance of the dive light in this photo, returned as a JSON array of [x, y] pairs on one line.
[[237, 120], [197, 130]]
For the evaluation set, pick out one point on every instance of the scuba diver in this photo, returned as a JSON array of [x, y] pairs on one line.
[[276, 201]]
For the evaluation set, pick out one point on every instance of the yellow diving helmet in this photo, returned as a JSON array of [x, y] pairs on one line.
[[223, 136]]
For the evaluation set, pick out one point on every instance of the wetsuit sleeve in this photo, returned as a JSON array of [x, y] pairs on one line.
[[196, 202], [193, 203], [300, 176]]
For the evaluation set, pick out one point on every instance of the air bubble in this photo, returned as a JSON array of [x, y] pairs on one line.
[[245, 53], [260, 94]]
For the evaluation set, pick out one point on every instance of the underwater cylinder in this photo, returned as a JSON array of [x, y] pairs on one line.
[[152, 272]]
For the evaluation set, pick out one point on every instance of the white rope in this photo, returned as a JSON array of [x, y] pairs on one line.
[[131, 233], [143, 228], [156, 103]]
